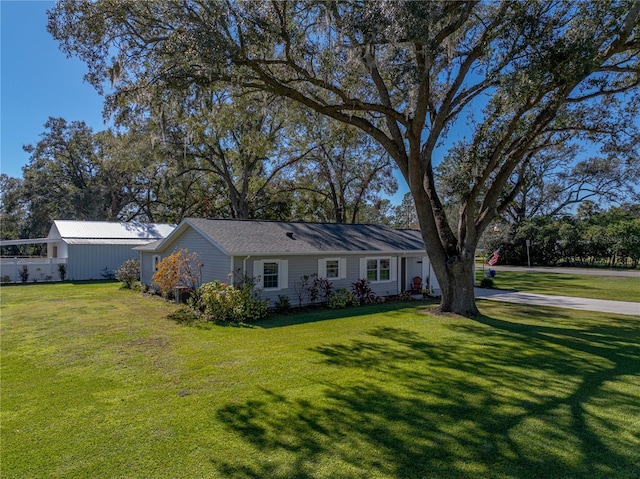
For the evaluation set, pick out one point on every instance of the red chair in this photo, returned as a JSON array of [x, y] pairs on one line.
[[416, 286]]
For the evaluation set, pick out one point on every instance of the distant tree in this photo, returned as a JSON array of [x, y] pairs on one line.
[[61, 179], [405, 215], [12, 208], [228, 138], [344, 172], [590, 237], [152, 181]]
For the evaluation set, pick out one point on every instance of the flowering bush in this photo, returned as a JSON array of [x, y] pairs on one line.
[[128, 273]]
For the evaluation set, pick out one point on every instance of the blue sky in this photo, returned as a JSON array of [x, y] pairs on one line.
[[37, 81]]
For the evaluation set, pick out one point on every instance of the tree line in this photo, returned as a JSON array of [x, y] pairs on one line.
[[247, 159], [590, 237]]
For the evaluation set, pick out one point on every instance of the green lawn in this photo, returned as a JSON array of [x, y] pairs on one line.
[[98, 383], [616, 288]]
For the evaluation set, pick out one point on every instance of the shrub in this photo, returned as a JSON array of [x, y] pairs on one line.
[[341, 299], [107, 273], [224, 302], [313, 288], [302, 288], [24, 273], [180, 269], [363, 292], [486, 283], [220, 301], [242, 280], [5, 279], [62, 271], [283, 304], [405, 296], [254, 309], [128, 273], [321, 289], [184, 316]]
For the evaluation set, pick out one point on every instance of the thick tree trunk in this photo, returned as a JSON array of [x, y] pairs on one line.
[[456, 279], [452, 264]]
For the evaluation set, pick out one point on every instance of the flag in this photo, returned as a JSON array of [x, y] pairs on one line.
[[494, 257]]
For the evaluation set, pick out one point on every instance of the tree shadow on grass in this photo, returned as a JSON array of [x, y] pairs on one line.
[[312, 315], [497, 398]]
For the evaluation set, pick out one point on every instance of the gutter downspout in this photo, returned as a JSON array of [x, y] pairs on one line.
[[141, 266], [244, 265]]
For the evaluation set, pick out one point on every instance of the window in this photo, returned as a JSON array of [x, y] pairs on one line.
[[156, 262], [270, 275], [372, 269], [378, 269], [333, 268], [385, 270]]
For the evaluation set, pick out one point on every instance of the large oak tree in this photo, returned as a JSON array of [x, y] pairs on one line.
[[513, 75]]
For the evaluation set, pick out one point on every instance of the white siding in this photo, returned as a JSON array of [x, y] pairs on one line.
[[61, 249]]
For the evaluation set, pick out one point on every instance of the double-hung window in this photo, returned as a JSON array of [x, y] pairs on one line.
[[372, 269], [332, 268], [378, 269], [271, 273]]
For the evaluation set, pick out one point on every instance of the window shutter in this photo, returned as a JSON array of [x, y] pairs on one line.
[[284, 274], [363, 268], [343, 268], [258, 272], [393, 265], [322, 268]]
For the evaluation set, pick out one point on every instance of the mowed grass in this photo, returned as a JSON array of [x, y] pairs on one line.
[[617, 288], [98, 383]]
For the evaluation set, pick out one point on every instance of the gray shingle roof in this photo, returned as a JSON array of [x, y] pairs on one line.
[[238, 237]]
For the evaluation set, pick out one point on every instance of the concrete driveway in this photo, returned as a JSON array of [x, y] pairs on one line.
[[599, 305]]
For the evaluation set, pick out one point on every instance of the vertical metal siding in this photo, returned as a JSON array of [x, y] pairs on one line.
[[87, 262]]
